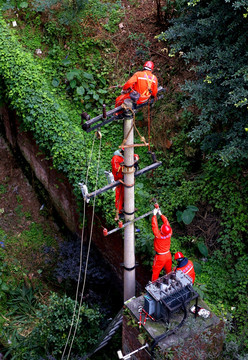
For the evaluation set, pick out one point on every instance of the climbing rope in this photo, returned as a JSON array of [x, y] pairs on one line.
[[81, 254], [90, 240], [142, 138], [149, 124]]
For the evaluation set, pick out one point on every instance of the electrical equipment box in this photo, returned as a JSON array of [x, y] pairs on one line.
[[167, 294]]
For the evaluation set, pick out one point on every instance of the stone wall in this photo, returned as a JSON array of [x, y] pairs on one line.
[[56, 184]]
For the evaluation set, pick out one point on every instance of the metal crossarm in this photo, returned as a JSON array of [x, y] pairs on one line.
[[107, 117], [129, 222], [116, 183]]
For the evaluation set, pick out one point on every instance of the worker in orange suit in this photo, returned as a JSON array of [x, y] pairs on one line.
[[117, 170], [185, 265], [143, 83], [162, 243]]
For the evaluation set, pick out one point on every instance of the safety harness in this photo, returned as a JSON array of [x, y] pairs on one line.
[[148, 91]]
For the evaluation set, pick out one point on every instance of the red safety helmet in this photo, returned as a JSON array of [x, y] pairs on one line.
[[148, 65], [178, 255], [165, 229]]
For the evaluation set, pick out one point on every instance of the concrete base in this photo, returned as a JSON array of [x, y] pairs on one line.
[[198, 338]]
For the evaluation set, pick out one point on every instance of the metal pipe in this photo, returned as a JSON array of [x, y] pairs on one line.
[[99, 117]]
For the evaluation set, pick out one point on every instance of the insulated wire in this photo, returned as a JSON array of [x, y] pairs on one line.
[[87, 259], [81, 256]]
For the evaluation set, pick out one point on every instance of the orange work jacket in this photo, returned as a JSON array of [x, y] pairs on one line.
[[188, 269], [161, 242], [117, 167], [145, 83]]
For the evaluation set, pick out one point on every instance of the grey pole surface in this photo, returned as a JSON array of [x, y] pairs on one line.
[[129, 244]]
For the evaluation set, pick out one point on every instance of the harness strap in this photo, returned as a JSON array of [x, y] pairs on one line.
[[149, 83], [126, 185]]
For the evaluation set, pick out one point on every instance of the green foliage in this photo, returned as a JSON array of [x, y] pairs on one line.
[[141, 44], [3, 189], [40, 111], [50, 326], [171, 9], [108, 13], [213, 35], [4, 281], [83, 85], [35, 237], [187, 215], [59, 13], [203, 249]]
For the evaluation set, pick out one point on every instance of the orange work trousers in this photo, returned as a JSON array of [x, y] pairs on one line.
[[160, 262], [119, 197]]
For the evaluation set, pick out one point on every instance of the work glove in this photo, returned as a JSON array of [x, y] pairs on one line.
[[159, 212], [155, 211]]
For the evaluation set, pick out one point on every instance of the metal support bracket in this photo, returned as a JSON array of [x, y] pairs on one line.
[[84, 191], [128, 169], [108, 116], [129, 269], [116, 183]]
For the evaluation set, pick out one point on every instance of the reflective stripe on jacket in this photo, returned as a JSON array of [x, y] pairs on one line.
[[188, 269], [142, 82]]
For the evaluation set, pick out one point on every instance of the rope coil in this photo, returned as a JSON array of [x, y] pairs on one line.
[[142, 138]]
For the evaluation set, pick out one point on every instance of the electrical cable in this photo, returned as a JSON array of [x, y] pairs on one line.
[[81, 256], [87, 258]]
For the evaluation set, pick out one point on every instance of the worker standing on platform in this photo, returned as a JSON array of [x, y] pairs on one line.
[[162, 243], [142, 85], [117, 164], [185, 265]]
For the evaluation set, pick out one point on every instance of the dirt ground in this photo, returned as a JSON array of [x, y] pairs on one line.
[[19, 204], [15, 193], [25, 223]]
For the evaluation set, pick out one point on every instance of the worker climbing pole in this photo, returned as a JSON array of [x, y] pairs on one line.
[[145, 84]]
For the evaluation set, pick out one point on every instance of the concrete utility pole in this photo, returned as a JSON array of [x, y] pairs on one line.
[[129, 176], [129, 245]]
